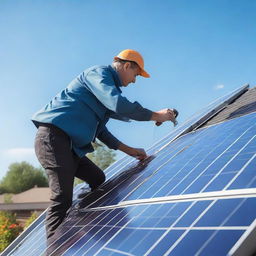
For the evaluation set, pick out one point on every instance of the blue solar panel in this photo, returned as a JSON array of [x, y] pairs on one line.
[[210, 159], [217, 159], [201, 116], [114, 231], [190, 124], [147, 229]]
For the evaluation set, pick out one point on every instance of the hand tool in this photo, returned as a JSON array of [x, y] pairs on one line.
[[176, 113]]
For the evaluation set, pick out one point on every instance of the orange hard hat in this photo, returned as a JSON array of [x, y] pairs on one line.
[[135, 56]]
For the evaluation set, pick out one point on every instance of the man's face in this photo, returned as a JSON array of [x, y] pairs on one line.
[[128, 74]]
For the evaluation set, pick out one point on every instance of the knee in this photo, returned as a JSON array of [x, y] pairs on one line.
[[60, 202], [100, 179]]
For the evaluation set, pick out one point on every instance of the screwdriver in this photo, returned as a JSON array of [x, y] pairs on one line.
[[176, 113]]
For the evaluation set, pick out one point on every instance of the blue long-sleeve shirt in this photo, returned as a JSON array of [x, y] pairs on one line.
[[84, 107]]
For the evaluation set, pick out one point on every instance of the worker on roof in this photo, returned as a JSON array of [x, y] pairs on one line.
[[75, 117]]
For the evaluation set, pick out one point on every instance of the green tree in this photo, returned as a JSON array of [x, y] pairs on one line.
[[2, 189], [21, 177], [101, 156]]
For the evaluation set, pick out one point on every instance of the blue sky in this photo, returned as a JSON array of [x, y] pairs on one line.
[[195, 51]]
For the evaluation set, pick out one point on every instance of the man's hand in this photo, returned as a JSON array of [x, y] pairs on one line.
[[138, 153], [163, 115]]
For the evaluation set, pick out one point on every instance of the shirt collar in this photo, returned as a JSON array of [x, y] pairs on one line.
[[117, 80]]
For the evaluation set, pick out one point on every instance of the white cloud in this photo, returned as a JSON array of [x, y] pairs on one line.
[[20, 152], [12, 155], [219, 87]]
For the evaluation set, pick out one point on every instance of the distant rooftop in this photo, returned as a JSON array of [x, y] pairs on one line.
[[33, 195], [244, 104]]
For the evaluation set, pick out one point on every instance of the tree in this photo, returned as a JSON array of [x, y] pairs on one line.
[[101, 156], [2, 189], [21, 177]]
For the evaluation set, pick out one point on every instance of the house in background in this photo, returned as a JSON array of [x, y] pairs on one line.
[[24, 204]]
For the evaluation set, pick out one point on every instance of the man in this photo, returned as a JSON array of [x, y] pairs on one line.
[[75, 117]]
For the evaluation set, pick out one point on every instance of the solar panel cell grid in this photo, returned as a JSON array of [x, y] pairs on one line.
[[143, 222], [194, 240], [193, 213], [123, 236], [208, 164], [221, 242], [247, 179]]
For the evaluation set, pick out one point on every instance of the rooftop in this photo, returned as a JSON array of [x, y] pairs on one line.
[[195, 195], [244, 104], [33, 195]]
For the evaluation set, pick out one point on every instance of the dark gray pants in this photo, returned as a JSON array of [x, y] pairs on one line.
[[54, 152]]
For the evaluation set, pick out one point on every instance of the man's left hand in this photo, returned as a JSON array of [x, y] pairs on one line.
[[138, 153]]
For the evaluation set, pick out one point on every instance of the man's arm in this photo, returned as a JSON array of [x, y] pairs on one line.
[[138, 153], [112, 142], [100, 82], [108, 139]]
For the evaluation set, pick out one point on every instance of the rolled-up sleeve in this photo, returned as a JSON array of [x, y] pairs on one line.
[[101, 83], [108, 139]]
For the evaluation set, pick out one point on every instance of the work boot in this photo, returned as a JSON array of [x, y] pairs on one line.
[[86, 191]]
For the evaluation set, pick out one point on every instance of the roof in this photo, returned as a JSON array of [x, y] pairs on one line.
[[244, 104], [33, 195], [195, 195]]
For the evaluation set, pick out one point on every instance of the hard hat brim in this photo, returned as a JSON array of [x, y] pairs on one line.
[[142, 73]]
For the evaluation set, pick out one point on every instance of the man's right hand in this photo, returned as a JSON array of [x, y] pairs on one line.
[[163, 115]]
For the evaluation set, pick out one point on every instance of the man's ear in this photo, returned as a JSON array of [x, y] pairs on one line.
[[127, 65]]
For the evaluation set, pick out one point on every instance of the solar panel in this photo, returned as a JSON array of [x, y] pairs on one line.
[[195, 191], [184, 228], [196, 120], [209, 159], [246, 243], [200, 117]]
